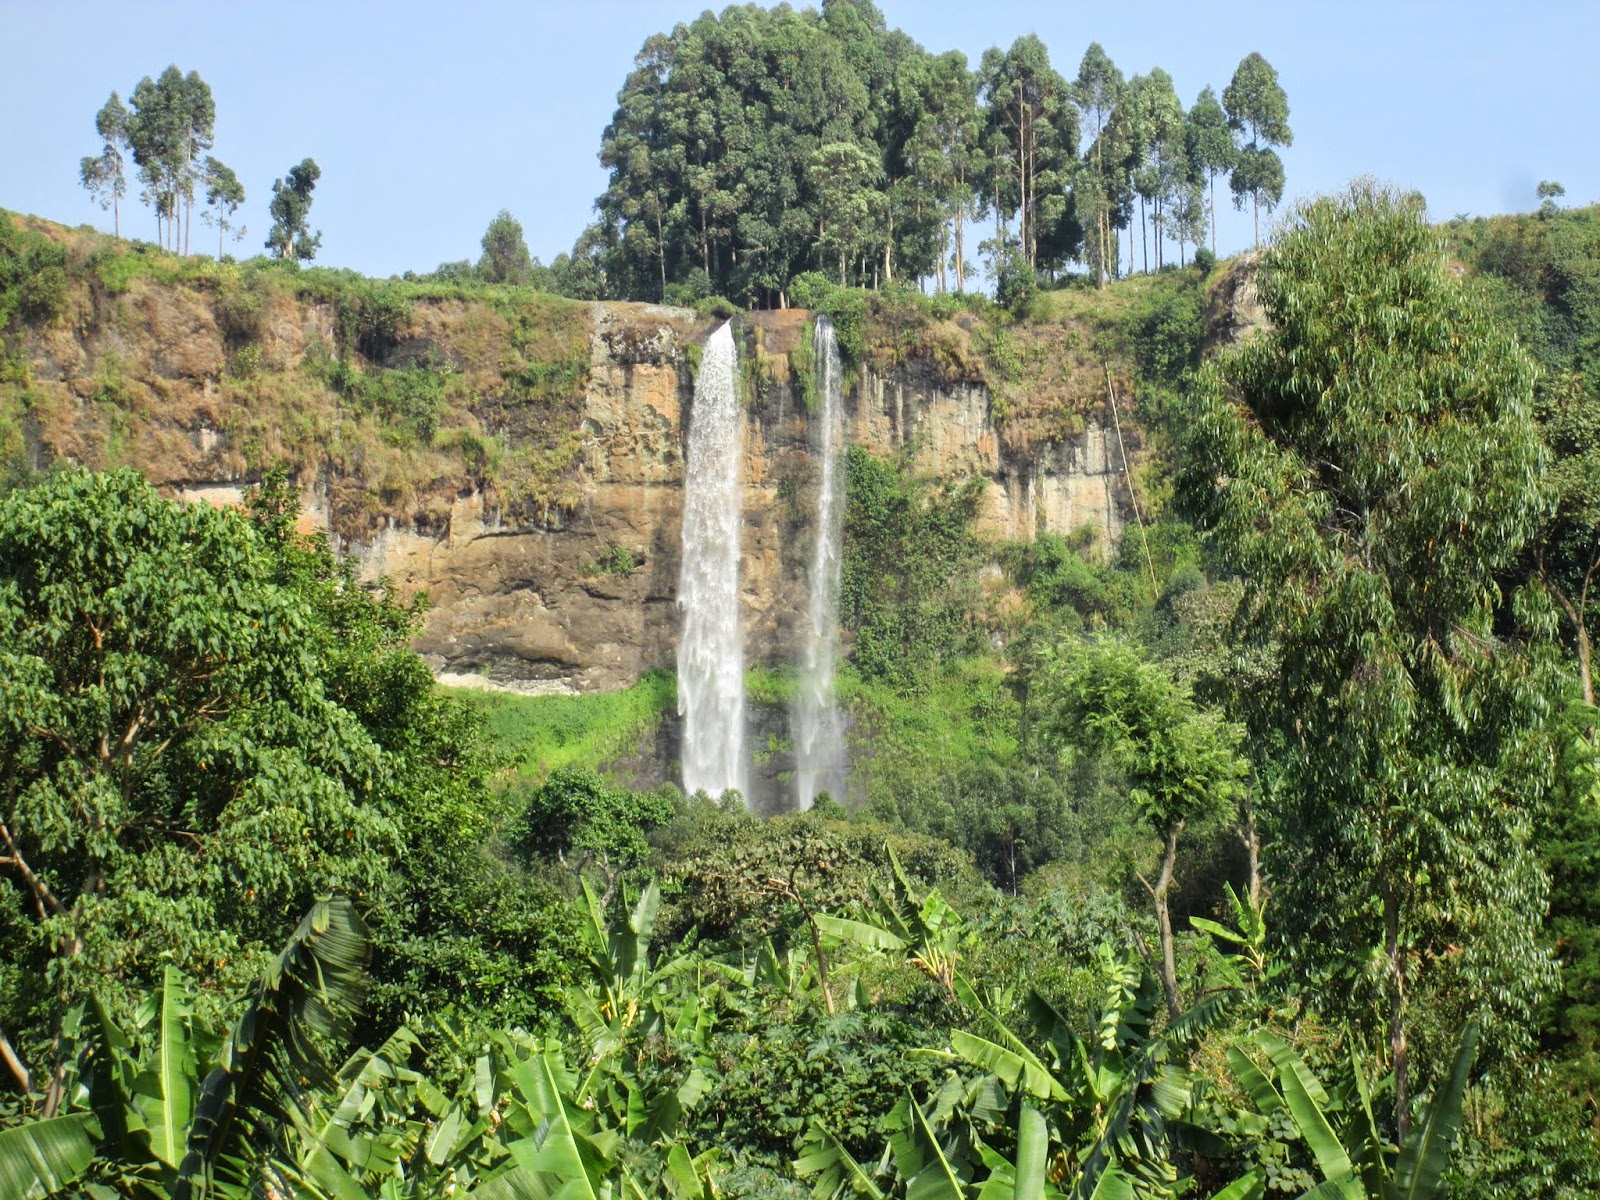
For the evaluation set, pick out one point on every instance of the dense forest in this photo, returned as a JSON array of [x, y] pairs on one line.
[[1254, 854]]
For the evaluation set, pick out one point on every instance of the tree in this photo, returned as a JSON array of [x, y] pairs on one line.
[[586, 822], [1097, 91], [1256, 105], [945, 154], [842, 174], [1033, 128], [1370, 466], [1160, 152], [224, 195], [155, 136], [205, 721], [291, 236], [1211, 147], [505, 254], [177, 779], [1548, 192], [173, 120], [1178, 761], [103, 174], [1258, 174], [199, 130]]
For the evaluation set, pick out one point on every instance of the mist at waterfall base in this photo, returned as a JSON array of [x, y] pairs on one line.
[[711, 643], [819, 761]]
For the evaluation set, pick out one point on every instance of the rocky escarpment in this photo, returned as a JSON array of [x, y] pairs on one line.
[[520, 458], [588, 602]]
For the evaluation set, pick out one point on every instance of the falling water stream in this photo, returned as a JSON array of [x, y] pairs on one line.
[[818, 730], [711, 644]]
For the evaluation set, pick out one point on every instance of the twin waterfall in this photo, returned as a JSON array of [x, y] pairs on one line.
[[818, 736], [711, 641], [711, 644]]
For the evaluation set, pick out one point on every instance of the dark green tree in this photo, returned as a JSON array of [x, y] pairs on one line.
[[1258, 107], [505, 253], [103, 174], [1371, 467], [1033, 130], [173, 120], [291, 235]]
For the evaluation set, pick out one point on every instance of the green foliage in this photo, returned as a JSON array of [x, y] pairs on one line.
[[544, 733], [909, 573], [505, 253], [33, 277], [583, 820], [1350, 484], [291, 236]]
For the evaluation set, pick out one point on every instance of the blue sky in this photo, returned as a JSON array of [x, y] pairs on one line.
[[428, 118]]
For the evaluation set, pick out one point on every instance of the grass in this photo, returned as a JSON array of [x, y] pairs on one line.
[[539, 734]]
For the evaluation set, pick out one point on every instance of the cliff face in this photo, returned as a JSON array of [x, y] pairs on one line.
[[589, 603], [518, 458]]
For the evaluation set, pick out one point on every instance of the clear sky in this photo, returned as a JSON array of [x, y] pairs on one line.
[[428, 118]]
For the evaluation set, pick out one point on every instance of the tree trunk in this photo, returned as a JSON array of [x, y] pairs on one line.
[[1144, 238], [1158, 893], [15, 1064], [1399, 1051], [1255, 206], [961, 278], [1213, 214]]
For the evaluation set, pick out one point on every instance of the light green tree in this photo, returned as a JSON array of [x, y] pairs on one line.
[[1211, 148], [1257, 107], [102, 174], [1370, 466], [1178, 761], [1097, 91], [224, 195], [843, 175]]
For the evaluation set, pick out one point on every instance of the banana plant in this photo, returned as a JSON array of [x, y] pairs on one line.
[[1339, 1128], [927, 930], [1101, 1117]]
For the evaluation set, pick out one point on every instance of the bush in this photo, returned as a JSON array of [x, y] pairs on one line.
[[1204, 260], [810, 289]]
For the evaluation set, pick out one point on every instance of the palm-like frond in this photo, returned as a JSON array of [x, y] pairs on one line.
[[311, 990]]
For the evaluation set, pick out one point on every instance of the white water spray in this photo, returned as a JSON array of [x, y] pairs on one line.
[[711, 644], [818, 730]]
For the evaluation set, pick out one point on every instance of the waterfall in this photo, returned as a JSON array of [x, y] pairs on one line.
[[818, 730], [711, 643]]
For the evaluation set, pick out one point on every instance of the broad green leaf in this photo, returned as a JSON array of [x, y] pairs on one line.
[[1325, 1145], [1015, 1070], [1247, 1187], [1250, 1077], [42, 1158], [1287, 1061], [1218, 931], [1419, 1175], [165, 1094], [937, 1180], [834, 1166], [858, 932], [1033, 1149], [1112, 1185]]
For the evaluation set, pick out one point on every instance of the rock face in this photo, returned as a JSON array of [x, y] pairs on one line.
[[589, 603], [519, 458]]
